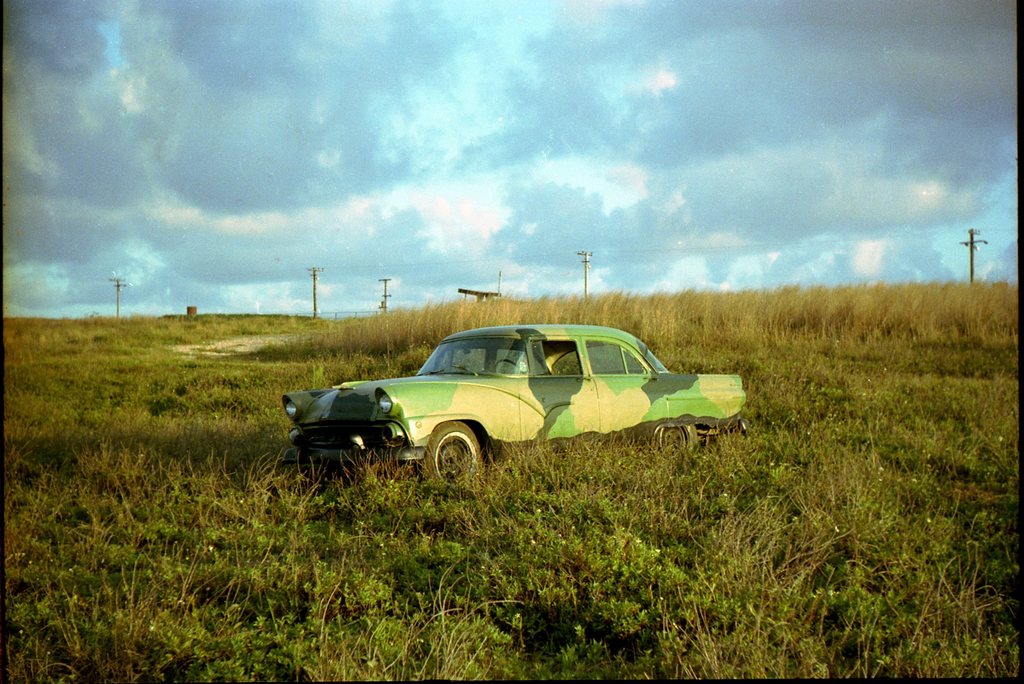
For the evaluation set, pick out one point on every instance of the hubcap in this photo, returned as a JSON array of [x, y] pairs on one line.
[[456, 456]]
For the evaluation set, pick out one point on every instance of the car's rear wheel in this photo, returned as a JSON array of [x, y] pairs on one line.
[[677, 436], [453, 451]]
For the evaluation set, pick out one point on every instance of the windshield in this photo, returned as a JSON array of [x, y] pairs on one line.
[[478, 356]]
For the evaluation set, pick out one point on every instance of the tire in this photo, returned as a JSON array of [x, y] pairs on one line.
[[682, 437], [453, 451]]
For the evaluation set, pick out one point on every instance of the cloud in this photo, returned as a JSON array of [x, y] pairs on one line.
[[1002, 268], [593, 11], [661, 80], [30, 286], [868, 256], [221, 153]]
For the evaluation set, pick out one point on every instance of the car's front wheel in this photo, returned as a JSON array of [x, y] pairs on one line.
[[453, 451]]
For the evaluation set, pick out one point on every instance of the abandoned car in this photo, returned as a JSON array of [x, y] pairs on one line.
[[489, 386]]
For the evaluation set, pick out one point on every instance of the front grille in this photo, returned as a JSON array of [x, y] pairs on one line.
[[340, 436]]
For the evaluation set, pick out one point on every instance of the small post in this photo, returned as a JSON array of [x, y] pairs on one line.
[[315, 270], [971, 245], [384, 301], [586, 268], [118, 284]]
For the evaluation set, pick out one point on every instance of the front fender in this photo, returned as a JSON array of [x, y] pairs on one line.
[[494, 403]]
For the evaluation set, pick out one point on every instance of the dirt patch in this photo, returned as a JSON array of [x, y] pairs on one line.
[[233, 345]]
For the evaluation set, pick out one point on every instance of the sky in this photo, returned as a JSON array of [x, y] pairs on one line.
[[218, 153]]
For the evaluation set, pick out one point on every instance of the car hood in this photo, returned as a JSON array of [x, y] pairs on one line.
[[357, 400]]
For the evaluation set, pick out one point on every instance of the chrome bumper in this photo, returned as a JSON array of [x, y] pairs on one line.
[[346, 457]]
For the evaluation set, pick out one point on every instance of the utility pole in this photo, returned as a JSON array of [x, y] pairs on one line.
[[971, 245], [118, 284], [384, 301], [315, 270], [586, 268]]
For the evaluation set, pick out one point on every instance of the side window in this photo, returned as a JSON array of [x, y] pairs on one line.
[[560, 357], [537, 359], [605, 358]]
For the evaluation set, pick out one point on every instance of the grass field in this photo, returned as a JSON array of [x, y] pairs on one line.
[[866, 526]]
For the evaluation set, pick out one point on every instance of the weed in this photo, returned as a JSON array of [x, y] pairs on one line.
[[866, 526]]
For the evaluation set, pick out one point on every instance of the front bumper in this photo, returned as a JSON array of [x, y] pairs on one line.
[[349, 457]]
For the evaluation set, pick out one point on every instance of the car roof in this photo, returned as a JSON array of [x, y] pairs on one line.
[[546, 330]]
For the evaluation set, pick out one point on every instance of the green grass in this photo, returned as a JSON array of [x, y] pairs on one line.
[[867, 526]]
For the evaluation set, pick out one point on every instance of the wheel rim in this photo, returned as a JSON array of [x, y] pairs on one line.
[[456, 456], [677, 437]]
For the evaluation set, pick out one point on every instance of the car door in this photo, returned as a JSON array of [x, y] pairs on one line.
[[620, 379], [562, 399]]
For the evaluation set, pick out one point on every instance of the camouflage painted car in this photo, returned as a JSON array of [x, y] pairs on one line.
[[483, 388]]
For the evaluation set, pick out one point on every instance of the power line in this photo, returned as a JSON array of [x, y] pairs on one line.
[[620, 255], [280, 275]]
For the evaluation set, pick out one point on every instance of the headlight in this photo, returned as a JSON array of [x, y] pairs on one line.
[[384, 402], [290, 408]]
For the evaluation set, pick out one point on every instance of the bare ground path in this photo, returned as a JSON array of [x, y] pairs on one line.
[[234, 345]]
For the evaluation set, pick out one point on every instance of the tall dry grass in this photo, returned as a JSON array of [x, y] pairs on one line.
[[866, 526], [920, 313]]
